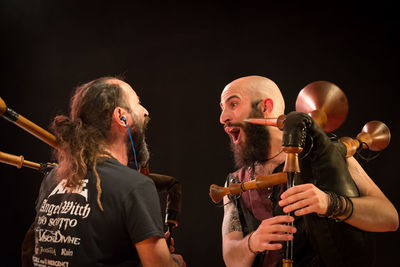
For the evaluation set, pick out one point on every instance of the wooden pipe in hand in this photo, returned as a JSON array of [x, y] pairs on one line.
[[261, 182]]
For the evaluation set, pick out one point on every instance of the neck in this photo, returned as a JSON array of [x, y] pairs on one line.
[[117, 149], [276, 155]]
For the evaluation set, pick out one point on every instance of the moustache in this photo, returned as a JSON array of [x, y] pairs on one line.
[[237, 124], [146, 122]]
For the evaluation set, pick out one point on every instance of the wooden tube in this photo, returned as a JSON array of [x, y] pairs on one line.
[[261, 182], [292, 159], [374, 136], [266, 181], [277, 122], [27, 125], [351, 145], [3, 107], [18, 161], [287, 263], [37, 131], [217, 192]]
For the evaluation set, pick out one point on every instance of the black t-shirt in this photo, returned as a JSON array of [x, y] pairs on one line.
[[71, 230]]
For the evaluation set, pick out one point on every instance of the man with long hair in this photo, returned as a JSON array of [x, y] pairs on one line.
[[92, 209], [255, 227]]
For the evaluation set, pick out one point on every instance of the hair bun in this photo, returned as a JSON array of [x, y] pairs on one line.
[[64, 128]]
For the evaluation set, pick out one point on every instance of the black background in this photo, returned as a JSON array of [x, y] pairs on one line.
[[178, 56]]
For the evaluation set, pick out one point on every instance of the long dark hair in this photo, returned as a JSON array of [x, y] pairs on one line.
[[83, 134]]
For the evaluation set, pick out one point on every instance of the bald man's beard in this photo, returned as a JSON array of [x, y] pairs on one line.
[[139, 142], [256, 146]]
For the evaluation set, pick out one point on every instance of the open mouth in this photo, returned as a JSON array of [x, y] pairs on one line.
[[234, 133]]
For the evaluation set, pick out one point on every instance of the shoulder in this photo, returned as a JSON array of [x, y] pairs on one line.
[[115, 174], [49, 181], [239, 175]]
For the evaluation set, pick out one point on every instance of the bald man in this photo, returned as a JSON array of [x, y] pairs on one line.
[[252, 235]]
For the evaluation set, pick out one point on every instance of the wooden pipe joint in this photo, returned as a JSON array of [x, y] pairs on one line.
[[279, 121], [292, 159], [351, 145], [366, 138], [235, 188]]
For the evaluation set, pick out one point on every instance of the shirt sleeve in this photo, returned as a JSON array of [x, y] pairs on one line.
[[143, 213]]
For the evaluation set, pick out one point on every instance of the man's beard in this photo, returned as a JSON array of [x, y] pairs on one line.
[[140, 146], [257, 144]]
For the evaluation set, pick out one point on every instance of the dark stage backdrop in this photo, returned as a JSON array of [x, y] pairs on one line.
[[178, 57]]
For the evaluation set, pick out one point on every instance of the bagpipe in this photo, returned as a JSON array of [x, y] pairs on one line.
[[314, 157], [164, 183]]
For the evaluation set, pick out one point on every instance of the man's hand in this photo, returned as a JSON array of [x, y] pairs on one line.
[[171, 245], [304, 199], [179, 260], [270, 231]]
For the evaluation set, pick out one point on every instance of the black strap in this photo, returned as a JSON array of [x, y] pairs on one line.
[[10, 115]]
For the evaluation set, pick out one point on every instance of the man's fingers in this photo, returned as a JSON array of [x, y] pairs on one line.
[[280, 237], [278, 219], [167, 234], [276, 228], [294, 198], [295, 189], [272, 241], [273, 246], [297, 205]]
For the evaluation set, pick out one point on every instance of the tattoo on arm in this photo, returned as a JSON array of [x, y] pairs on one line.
[[235, 221], [231, 222]]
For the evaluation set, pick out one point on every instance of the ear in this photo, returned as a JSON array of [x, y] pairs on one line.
[[267, 106], [118, 114]]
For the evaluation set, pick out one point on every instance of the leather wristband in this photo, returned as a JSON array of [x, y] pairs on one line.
[[248, 244]]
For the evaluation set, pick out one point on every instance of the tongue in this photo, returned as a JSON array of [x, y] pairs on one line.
[[235, 135]]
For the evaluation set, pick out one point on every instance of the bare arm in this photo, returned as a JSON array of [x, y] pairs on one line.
[[372, 211], [153, 252], [235, 247]]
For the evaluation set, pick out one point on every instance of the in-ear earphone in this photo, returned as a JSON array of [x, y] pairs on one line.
[[130, 136]]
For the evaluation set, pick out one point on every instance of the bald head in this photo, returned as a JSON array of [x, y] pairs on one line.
[[256, 88]]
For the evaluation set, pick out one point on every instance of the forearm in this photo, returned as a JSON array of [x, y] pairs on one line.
[[373, 214], [166, 263], [373, 211], [153, 252], [241, 251], [235, 250]]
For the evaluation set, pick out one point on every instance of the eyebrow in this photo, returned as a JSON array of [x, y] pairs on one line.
[[229, 98]]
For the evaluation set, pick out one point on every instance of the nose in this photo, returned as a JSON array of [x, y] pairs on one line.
[[224, 117], [145, 112]]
